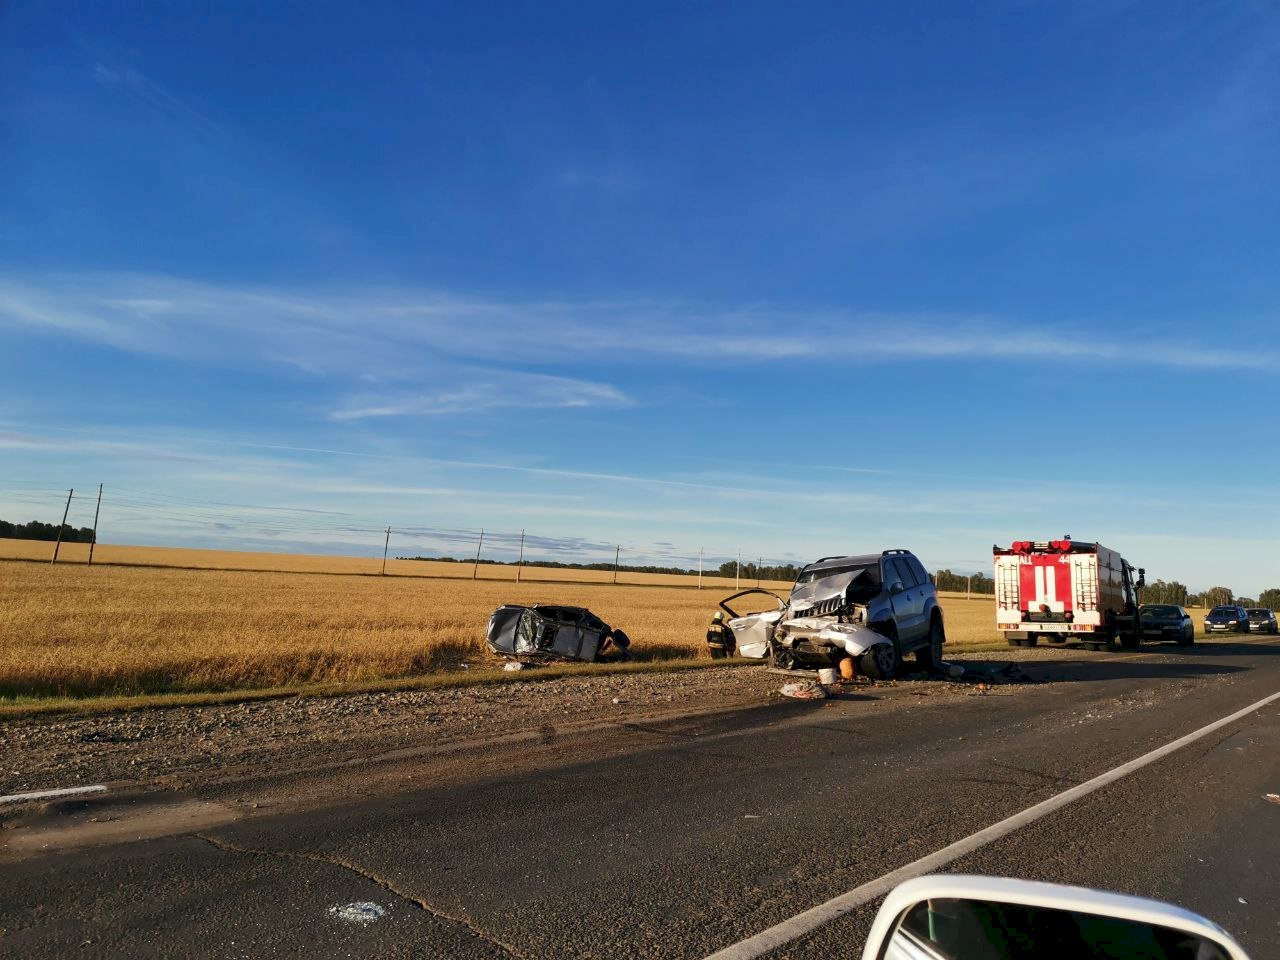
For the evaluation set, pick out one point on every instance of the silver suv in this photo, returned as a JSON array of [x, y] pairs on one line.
[[876, 608]]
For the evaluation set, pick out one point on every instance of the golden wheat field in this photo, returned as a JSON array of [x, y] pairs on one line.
[[72, 630], [125, 555]]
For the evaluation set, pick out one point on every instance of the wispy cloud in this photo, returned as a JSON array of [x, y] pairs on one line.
[[467, 394], [392, 333], [121, 77]]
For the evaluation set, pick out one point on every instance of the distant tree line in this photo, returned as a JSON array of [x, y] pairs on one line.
[[1157, 591], [559, 565], [750, 571], [35, 530], [1177, 593], [962, 582], [786, 572]]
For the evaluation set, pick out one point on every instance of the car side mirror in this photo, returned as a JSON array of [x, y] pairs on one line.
[[962, 917], [896, 587], [1142, 578]]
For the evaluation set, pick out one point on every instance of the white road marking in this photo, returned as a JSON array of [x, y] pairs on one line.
[[808, 921], [48, 794]]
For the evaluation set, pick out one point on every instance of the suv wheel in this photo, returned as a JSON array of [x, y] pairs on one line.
[[929, 658], [880, 662]]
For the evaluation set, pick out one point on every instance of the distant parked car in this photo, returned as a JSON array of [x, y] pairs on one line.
[[545, 632], [1164, 621], [1226, 619], [1261, 620]]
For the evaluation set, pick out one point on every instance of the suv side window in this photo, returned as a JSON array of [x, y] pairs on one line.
[[905, 573]]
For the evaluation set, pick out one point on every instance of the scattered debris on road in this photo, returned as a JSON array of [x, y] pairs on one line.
[[990, 673], [805, 690], [363, 913], [550, 632]]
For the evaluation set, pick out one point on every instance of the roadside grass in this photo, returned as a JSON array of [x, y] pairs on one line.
[[102, 637]]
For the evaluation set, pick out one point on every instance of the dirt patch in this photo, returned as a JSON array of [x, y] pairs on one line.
[[178, 746]]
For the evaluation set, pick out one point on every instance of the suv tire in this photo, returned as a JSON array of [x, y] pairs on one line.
[[881, 662], [929, 658]]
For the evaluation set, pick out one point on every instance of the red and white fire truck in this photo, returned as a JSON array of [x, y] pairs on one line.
[[1061, 590]]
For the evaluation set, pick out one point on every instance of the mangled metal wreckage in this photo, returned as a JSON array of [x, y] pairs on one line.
[[553, 632], [834, 611]]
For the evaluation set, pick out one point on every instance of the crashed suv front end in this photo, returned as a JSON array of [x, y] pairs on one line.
[[872, 608], [810, 640]]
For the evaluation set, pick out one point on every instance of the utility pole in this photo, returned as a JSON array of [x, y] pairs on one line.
[[93, 542], [968, 590], [475, 569], [58, 543], [616, 554], [385, 544], [520, 561], [759, 564], [700, 568], [737, 571]]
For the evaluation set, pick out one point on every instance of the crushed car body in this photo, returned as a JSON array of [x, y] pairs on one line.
[[554, 632], [873, 609]]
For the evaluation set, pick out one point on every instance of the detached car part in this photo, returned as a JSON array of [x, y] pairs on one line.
[[546, 632]]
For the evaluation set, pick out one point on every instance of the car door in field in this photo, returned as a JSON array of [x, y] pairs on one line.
[[908, 606]]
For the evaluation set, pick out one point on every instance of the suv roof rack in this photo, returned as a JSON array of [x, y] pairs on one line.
[[885, 553]]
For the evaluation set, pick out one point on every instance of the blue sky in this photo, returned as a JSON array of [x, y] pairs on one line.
[[795, 280]]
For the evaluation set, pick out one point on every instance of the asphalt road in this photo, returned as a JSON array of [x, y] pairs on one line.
[[685, 836]]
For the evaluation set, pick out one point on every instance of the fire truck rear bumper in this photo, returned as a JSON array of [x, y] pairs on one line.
[[1026, 629]]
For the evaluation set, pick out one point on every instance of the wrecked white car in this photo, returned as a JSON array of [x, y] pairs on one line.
[[875, 609]]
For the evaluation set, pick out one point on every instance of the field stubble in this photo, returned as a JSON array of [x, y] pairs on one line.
[[71, 630]]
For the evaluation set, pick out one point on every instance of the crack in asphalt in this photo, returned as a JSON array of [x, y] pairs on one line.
[[659, 732], [479, 933], [1039, 774]]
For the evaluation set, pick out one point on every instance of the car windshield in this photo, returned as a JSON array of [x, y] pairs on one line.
[[1162, 610], [1259, 614], [867, 572], [527, 632], [1223, 612]]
